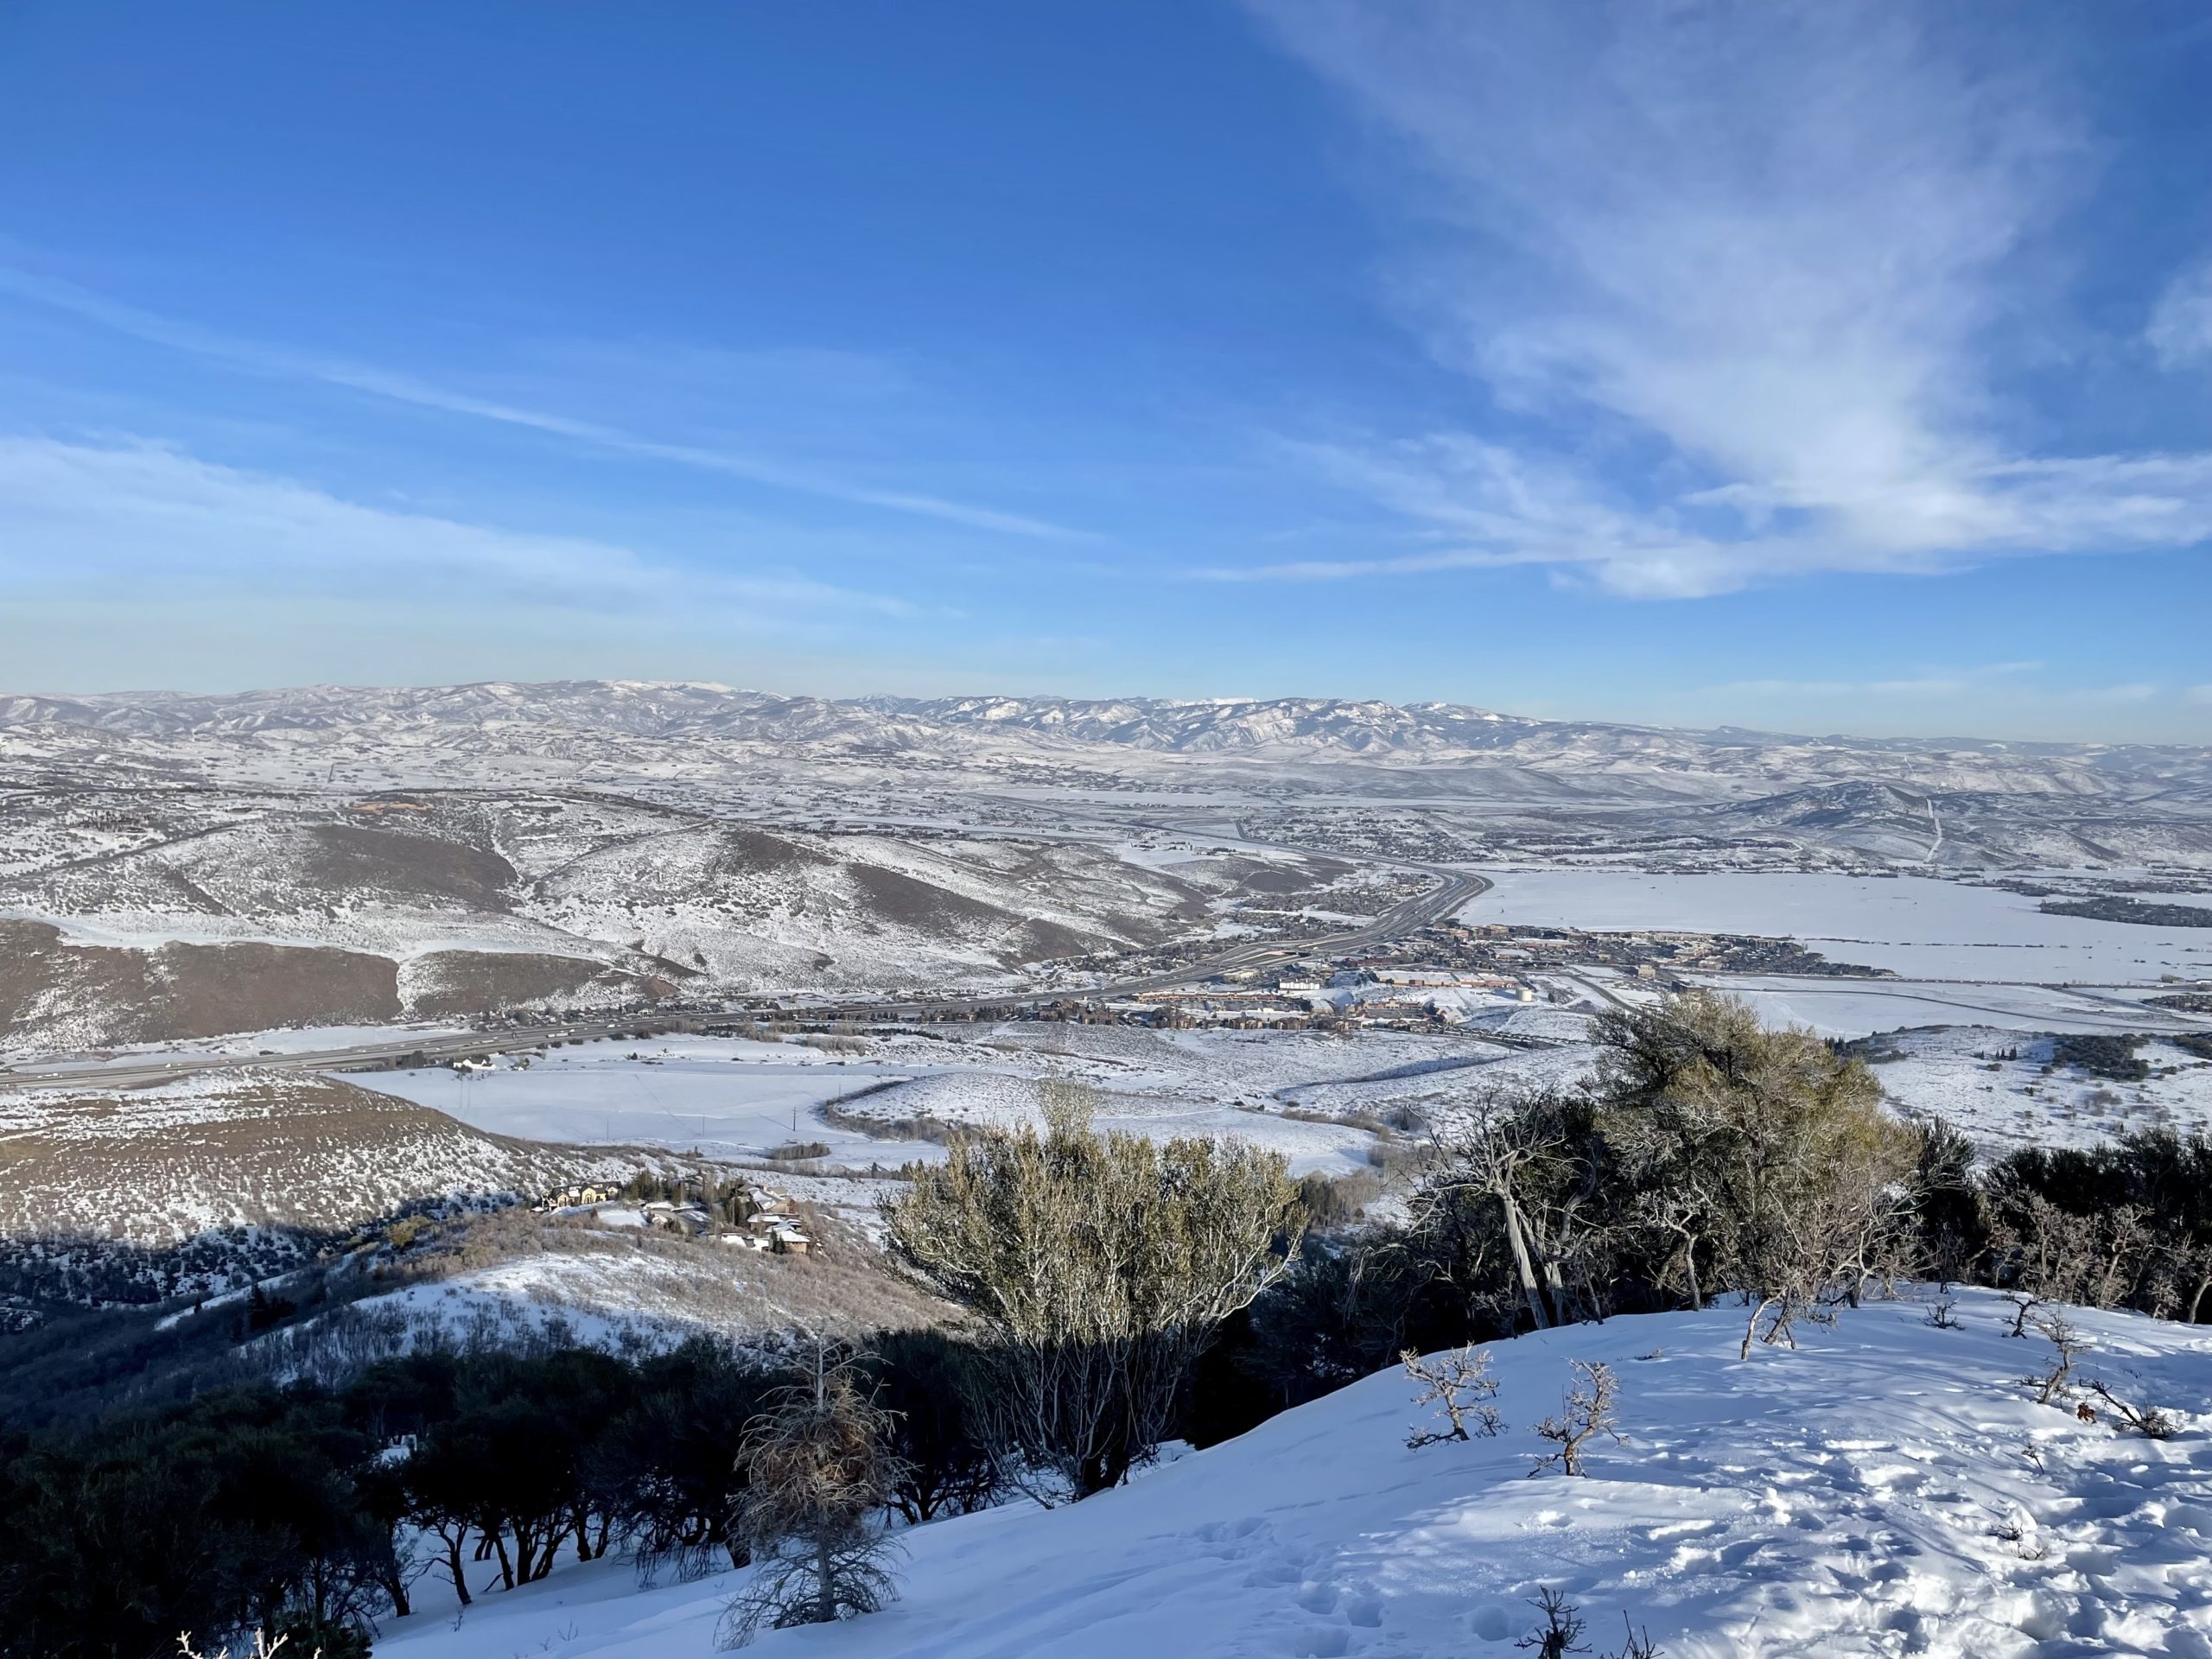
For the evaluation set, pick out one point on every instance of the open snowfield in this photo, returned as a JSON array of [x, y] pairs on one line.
[[1888, 1488], [1000, 1100], [1959, 1073], [725, 1096], [1859, 1008], [1913, 925], [732, 1098]]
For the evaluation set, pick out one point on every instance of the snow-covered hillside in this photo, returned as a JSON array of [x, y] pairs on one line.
[[1887, 1488]]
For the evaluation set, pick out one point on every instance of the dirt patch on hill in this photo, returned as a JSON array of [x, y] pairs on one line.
[[349, 858], [1041, 941], [446, 982], [755, 852], [69, 994], [904, 901]]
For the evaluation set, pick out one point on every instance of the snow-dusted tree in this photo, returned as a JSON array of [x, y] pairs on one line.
[[818, 1480], [1460, 1387], [1586, 1413], [1099, 1268]]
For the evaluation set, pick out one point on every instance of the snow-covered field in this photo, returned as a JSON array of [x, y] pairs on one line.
[[726, 1098], [1887, 1488], [1960, 1073], [733, 1098], [1858, 1007], [1912, 925]]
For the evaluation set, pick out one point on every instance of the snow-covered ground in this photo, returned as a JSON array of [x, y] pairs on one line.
[[983, 1097], [157, 1166], [1887, 1488], [735, 1098], [725, 1096], [1960, 1073], [284, 1039], [1858, 1007], [1912, 925]]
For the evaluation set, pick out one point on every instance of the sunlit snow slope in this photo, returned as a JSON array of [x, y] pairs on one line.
[[1888, 1488]]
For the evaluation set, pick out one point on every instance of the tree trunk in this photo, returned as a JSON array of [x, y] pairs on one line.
[[1556, 1288], [1751, 1325], [1520, 1263], [825, 1589], [455, 1540], [1689, 1273]]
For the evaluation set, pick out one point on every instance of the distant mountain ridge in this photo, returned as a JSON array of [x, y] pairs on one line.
[[673, 707], [1282, 729]]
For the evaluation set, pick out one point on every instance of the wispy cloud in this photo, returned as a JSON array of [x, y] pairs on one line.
[[281, 362], [1732, 274], [2180, 331], [83, 515]]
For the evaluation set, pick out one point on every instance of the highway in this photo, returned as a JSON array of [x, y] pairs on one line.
[[1454, 889]]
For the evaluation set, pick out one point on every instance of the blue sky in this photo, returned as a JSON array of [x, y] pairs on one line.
[[1834, 369]]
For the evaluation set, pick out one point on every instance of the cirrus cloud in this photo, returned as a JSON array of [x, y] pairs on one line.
[[1736, 279]]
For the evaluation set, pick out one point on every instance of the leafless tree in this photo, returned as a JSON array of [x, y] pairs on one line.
[[263, 1649], [818, 1480], [1684, 1214], [2149, 1421], [1459, 1385], [2055, 1386], [1561, 1633], [2053, 1251], [1639, 1644], [1586, 1413], [1099, 1268], [2123, 1242], [2191, 1266], [1512, 1152]]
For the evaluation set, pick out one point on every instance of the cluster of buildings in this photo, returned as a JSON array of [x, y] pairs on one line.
[[765, 1221]]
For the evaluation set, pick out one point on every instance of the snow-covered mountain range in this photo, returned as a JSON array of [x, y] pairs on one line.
[[1426, 734]]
